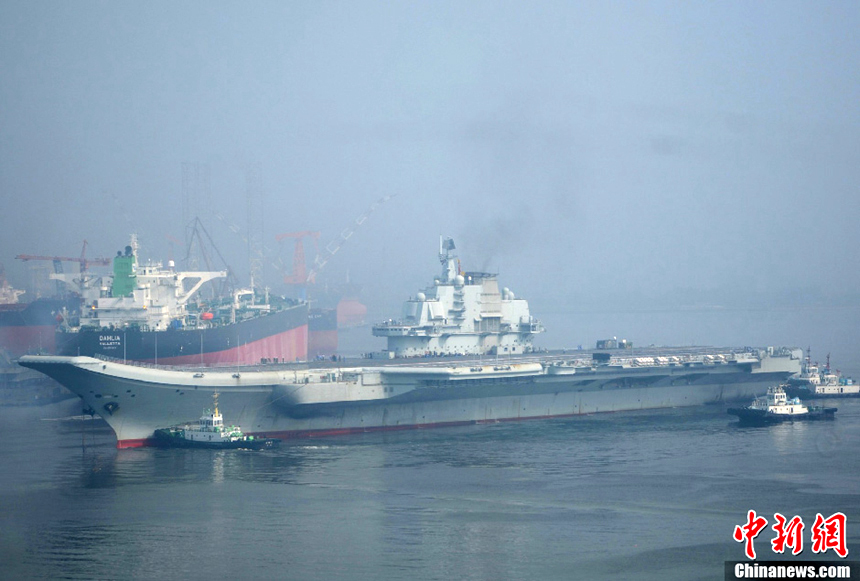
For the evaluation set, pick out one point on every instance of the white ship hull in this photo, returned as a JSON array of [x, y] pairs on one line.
[[286, 402], [828, 390]]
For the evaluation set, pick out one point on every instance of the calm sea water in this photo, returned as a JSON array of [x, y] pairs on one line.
[[645, 495]]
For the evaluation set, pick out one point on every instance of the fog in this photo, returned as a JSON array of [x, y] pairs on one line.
[[600, 156]]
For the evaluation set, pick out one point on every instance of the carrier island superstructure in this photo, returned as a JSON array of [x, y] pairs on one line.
[[462, 313], [488, 374]]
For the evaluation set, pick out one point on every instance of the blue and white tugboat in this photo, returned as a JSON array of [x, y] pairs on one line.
[[776, 407], [210, 432]]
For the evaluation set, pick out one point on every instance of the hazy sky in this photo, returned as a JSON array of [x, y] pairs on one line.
[[673, 151]]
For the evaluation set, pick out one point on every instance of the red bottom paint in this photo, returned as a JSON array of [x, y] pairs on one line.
[[22, 339], [137, 443], [284, 347], [322, 344], [350, 313]]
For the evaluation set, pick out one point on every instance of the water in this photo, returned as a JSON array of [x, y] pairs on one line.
[[645, 495]]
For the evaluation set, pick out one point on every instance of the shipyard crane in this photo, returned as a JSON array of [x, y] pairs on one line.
[[83, 261], [332, 247], [299, 275], [59, 276]]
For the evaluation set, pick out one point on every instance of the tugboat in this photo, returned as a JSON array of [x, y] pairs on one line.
[[210, 432], [775, 407]]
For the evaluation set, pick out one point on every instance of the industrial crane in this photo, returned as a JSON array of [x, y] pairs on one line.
[[83, 261], [300, 274]]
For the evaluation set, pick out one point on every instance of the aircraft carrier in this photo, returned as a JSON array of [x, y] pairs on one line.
[[462, 353]]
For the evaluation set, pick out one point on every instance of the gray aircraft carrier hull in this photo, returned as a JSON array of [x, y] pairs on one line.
[[290, 402]]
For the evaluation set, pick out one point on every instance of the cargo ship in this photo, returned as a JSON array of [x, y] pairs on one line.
[[28, 328], [31, 327], [153, 314], [461, 354], [322, 333]]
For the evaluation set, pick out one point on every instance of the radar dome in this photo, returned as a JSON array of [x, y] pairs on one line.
[[421, 297], [459, 280]]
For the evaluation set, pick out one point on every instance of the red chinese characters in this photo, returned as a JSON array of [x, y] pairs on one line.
[[829, 533], [826, 534], [787, 535], [748, 532]]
